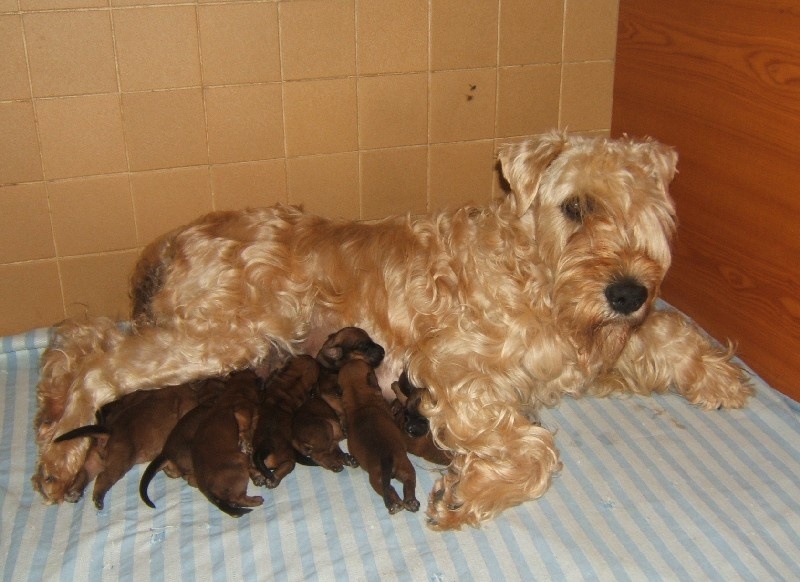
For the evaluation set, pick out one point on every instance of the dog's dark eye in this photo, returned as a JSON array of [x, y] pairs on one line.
[[578, 208]]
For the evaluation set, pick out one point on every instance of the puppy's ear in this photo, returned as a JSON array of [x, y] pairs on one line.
[[524, 163], [331, 354]]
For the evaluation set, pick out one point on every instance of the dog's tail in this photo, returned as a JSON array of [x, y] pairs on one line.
[[258, 460], [305, 460], [91, 430], [154, 467], [230, 508]]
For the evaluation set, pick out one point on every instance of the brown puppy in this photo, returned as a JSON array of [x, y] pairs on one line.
[[133, 430], [176, 456], [339, 347], [317, 427], [222, 444], [284, 393], [412, 424], [373, 438]]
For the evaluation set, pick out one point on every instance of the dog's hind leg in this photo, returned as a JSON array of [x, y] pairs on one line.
[[381, 481], [669, 352]]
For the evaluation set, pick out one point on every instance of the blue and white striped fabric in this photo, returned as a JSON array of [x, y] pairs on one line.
[[651, 489]]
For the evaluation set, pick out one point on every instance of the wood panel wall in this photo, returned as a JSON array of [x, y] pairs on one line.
[[720, 80]]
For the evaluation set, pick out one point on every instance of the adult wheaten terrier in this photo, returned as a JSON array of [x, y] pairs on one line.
[[497, 310]]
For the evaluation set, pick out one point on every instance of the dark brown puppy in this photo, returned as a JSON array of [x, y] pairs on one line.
[[373, 438], [339, 347], [175, 457], [133, 430], [222, 445], [413, 425], [317, 427], [285, 392]]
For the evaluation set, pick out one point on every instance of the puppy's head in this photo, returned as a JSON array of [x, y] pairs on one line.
[[347, 344], [407, 404]]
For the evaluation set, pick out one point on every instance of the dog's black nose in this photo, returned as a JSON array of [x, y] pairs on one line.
[[626, 296]]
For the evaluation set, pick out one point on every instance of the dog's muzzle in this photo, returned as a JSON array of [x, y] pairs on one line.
[[626, 296]]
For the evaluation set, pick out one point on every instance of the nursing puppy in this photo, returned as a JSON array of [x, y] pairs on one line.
[[285, 392], [133, 430], [374, 439], [317, 427], [412, 424], [222, 445], [175, 457]]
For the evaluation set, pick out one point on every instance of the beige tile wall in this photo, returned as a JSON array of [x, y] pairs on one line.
[[120, 119]]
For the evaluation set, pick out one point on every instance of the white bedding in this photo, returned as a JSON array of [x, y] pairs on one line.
[[652, 489]]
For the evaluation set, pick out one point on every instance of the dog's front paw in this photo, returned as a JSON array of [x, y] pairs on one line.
[[722, 384]]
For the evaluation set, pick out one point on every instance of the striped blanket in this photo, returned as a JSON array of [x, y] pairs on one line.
[[651, 489]]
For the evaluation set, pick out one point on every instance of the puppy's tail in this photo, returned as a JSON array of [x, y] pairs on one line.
[[258, 460], [154, 467], [304, 460], [229, 508], [91, 430]]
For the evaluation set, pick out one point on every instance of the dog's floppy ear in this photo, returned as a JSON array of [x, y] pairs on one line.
[[331, 354], [524, 163], [661, 162]]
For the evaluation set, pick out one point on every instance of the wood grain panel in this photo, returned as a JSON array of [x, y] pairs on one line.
[[720, 80]]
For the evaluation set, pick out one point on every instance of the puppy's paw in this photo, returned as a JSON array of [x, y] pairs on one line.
[[246, 446]]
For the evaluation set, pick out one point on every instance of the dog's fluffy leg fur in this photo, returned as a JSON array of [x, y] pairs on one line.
[[669, 353]]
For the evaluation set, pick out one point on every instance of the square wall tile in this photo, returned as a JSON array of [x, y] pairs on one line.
[[25, 231], [245, 123], [462, 105], [116, 3], [239, 43], [60, 4], [34, 292], [165, 129], [528, 99], [167, 199], [325, 185], [461, 173], [394, 182], [590, 30], [318, 38], [531, 31], [463, 34], [14, 83], [70, 53], [320, 116], [392, 36], [249, 184], [98, 284], [157, 48], [9, 6], [393, 110], [588, 94], [19, 145], [92, 215], [81, 136]]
